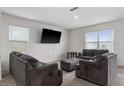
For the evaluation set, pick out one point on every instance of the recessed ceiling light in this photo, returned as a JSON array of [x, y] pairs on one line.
[[76, 17]]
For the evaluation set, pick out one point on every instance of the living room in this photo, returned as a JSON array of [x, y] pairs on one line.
[[103, 31]]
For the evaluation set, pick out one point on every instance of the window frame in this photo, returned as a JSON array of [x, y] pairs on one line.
[[27, 42], [98, 41]]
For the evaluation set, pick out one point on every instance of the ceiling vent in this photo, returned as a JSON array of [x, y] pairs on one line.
[[73, 9]]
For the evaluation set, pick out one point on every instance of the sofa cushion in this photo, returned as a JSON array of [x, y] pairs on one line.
[[99, 52], [88, 52], [16, 53], [99, 58], [30, 59]]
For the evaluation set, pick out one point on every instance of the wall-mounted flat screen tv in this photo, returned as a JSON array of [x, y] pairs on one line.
[[50, 36]]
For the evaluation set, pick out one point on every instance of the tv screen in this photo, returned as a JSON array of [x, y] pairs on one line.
[[50, 36]]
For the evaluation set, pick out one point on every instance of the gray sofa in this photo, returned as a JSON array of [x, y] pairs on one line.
[[100, 69], [28, 71], [91, 53]]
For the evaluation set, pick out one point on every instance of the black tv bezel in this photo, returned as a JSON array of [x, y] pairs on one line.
[[50, 42]]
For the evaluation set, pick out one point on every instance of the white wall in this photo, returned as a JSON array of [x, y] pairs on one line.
[[43, 52], [77, 39]]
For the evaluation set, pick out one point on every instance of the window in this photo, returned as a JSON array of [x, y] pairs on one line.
[[91, 40], [99, 40], [18, 38]]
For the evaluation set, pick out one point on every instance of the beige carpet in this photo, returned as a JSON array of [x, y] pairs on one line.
[[69, 79]]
